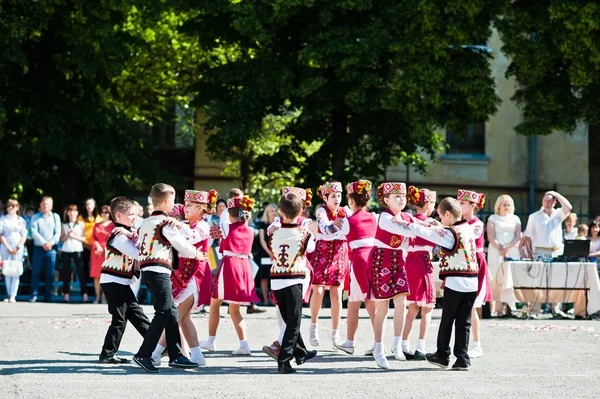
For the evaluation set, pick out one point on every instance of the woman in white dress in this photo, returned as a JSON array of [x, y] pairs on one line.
[[13, 233], [504, 234]]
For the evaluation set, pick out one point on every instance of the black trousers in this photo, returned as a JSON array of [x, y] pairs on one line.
[[289, 301], [165, 316], [77, 258], [123, 307], [457, 310]]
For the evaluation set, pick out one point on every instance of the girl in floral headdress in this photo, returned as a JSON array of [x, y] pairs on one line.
[[361, 236], [234, 284], [192, 281], [419, 272], [471, 202], [330, 259]]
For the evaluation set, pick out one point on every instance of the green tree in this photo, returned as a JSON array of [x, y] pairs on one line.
[[370, 80], [554, 46]]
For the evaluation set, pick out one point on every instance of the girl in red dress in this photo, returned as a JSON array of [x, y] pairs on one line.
[[419, 272], [471, 202], [100, 234], [329, 261], [234, 283]]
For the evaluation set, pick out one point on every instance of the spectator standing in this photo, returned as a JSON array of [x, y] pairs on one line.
[[45, 230], [99, 237], [504, 234], [594, 228], [543, 235], [13, 234], [89, 217], [264, 256], [570, 232], [73, 238]]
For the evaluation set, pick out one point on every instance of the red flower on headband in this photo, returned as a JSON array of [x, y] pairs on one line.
[[309, 195], [246, 204]]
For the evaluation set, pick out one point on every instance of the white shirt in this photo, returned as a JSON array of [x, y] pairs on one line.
[[455, 283], [570, 236], [178, 239], [71, 245], [385, 222], [324, 222], [545, 230], [224, 217], [124, 245]]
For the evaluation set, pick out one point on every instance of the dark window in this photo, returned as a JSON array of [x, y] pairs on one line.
[[469, 141], [173, 131]]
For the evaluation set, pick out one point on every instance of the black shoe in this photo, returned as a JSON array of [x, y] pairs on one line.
[[433, 359], [409, 356], [183, 362], [47, 299], [460, 366], [145, 363], [418, 356], [285, 368], [113, 360], [302, 359], [254, 309]]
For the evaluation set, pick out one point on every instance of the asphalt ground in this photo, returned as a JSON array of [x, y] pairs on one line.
[[51, 351]]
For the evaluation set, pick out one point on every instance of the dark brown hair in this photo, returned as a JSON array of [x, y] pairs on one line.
[[451, 205], [68, 208], [360, 200], [15, 203], [160, 192], [593, 223], [291, 205]]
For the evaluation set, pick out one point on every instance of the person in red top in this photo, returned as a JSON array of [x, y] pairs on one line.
[[99, 236]]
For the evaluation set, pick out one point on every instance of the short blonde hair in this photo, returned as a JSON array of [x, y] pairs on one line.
[[160, 192], [572, 216], [265, 216], [500, 200]]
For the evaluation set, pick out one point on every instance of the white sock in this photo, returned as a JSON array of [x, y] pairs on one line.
[[396, 341], [421, 345], [476, 344], [405, 346], [335, 333], [196, 353], [157, 352], [280, 321], [314, 326], [211, 339], [379, 350], [244, 344], [348, 343], [281, 333]]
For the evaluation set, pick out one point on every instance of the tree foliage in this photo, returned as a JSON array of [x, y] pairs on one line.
[[370, 80]]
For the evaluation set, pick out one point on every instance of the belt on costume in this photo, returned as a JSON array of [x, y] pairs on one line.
[[479, 250], [364, 242], [235, 255]]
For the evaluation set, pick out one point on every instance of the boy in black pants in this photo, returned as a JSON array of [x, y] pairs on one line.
[[289, 276], [158, 239], [459, 269], [119, 271]]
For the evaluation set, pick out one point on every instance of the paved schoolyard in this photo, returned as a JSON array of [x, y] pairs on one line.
[[50, 350]]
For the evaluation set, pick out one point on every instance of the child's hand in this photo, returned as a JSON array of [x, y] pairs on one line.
[[124, 231], [272, 229], [338, 223], [174, 223], [400, 221], [201, 255]]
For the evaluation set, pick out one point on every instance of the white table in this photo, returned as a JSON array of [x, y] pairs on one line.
[[540, 282]]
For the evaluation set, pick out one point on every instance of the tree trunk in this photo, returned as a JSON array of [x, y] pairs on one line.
[[339, 131], [594, 170]]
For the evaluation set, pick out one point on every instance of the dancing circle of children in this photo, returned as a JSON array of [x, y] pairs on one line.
[[470, 203], [419, 272], [330, 260], [362, 225], [192, 281], [235, 283]]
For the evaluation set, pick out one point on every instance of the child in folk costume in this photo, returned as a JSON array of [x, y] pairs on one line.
[[119, 270], [305, 196], [330, 260], [470, 203], [290, 278], [388, 279], [192, 281], [158, 239], [459, 270], [234, 284], [419, 272], [361, 236]]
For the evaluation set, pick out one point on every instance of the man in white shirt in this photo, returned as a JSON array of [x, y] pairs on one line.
[[543, 235]]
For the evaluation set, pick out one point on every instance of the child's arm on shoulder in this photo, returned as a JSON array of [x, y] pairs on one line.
[[179, 242], [124, 244], [198, 234], [443, 237]]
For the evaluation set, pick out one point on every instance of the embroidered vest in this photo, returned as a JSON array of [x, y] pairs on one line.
[[239, 239], [460, 261], [288, 246], [363, 226], [116, 263], [181, 277], [155, 249], [389, 238]]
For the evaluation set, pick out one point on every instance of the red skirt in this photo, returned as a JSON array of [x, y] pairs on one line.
[[419, 272], [330, 263], [235, 283], [204, 280], [389, 277], [483, 277], [361, 274]]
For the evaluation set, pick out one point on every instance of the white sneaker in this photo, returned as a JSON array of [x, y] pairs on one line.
[[369, 352], [314, 337], [207, 345], [242, 351], [398, 354], [475, 352], [345, 347], [336, 340], [12, 300], [6, 300], [156, 363], [382, 362], [200, 360]]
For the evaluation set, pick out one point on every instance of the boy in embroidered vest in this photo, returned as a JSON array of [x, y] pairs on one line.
[[119, 270], [459, 270], [289, 246], [158, 238]]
